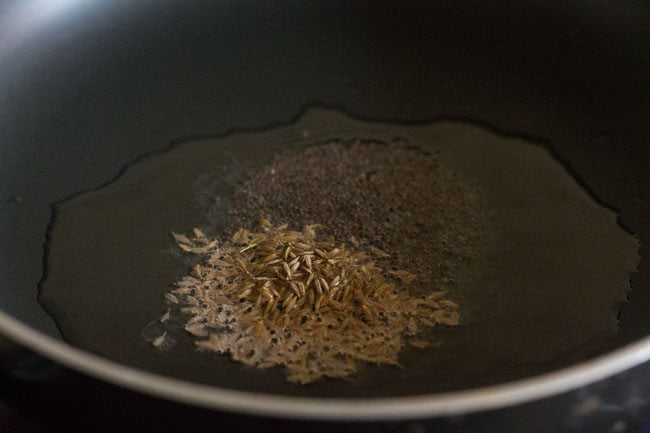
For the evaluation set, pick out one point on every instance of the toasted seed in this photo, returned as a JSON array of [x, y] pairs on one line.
[[324, 284], [270, 282], [247, 248], [437, 295], [448, 303], [287, 270], [159, 341], [197, 329], [377, 252], [295, 288], [319, 302], [182, 291], [182, 239], [319, 288], [427, 322], [405, 276], [412, 326], [171, 298], [240, 236], [241, 264], [186, 248], [260, 330], [266, 292], [218, 262], [269, 257], [310, 230], [164, 317], [291, 302], [245, 293]]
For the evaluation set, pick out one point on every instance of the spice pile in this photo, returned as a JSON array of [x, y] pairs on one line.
[[292, 298], [375, 233], [392, 196]]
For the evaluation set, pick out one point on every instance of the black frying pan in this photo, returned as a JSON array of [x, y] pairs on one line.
[[87, 88]]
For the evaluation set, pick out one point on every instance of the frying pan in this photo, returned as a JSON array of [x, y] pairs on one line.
[[88, 87]]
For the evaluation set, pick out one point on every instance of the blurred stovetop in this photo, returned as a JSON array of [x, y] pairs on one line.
[[39, 396]]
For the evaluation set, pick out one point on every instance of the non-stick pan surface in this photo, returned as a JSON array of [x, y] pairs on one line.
[[86, 88]]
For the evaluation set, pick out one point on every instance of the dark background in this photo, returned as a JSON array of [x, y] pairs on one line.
[[37, 396]]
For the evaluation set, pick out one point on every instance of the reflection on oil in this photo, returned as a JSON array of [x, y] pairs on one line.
[[544, 290]]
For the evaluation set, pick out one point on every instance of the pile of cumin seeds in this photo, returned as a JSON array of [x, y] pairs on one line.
[[392, 196], [284, 297]]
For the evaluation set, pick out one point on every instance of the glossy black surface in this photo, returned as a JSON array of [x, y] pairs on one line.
[[87, 87]]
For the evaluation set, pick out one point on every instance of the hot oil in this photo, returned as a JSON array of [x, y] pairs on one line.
[[543, 290]]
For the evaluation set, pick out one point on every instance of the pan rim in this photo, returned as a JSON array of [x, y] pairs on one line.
[[318, 408]]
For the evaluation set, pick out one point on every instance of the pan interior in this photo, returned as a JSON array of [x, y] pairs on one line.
[[543, 292]]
